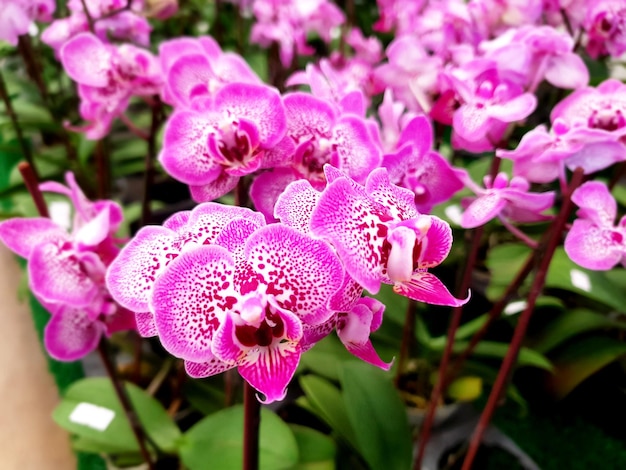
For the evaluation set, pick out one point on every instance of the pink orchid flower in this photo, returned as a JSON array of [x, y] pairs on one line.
[[18, 16], [381, 237], [594, 241], [67, 271], [107, 77], [509, 201], [225, 291]]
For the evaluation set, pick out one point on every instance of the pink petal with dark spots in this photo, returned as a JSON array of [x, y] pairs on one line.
[[594, 247], [300, 272], [189, 299], [200, 370], [131, 276], [295, 205], [356, 226]]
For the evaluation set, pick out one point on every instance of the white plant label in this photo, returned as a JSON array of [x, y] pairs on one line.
[[93, 416], [580, 280]]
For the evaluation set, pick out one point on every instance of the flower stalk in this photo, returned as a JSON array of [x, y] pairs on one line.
[[520, 330]]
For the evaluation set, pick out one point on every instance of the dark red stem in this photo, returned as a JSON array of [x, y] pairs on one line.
[[32, 184], [16, 125], [251, 425], [520, 330]]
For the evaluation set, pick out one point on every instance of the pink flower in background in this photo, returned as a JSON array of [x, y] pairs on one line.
[[18, 16], [107, 77], [509, 201], [594, 241], [415, 166], [398, 15], [288, 22], [238, 132], [493, 17], [489, 100], [605, 24], [67, 271], [536, 53], [111, 21], [197, 67]]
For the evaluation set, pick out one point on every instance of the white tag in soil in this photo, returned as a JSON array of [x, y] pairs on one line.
[[94, 416]]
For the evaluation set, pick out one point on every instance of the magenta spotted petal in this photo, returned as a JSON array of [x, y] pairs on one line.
[[295, 205], [145, 324], [185, 153], [224, 184], [189, 76], [190, 298], [200, 370], [300, 272], [131, 276], [71, 334], [356, 226]]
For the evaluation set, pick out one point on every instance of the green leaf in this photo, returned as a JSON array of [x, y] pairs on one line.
[[527, 357], [325, 357], [99, 391], [216, 442], [203, 396], [317, 451], [378, 417], [569, 324], [579, 360], [504, 262], [326, 399]]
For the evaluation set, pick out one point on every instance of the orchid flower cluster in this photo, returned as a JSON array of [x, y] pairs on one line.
[[344, 189], [221, 288], [67, 263]]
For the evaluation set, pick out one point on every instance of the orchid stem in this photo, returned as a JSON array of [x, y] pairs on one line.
[[455, 321], [519, 234], [251, 425], [16, 125], [408, 332], [520, 330], [32, 184], [124, 399]]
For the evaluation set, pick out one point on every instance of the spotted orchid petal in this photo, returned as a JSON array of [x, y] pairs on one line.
[[213, 366], [295, 205], [56, 275], [71, 334], [426, 287], [400, 202], [207, 220], [87, 60], [131, 276], [189, 300], [300, 272], [178, 221], [23, 235], [145, 324], [189, 77], [356, 226], [595, 203], [224, 184], [354, 150], [435, 245], [308, 117]]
